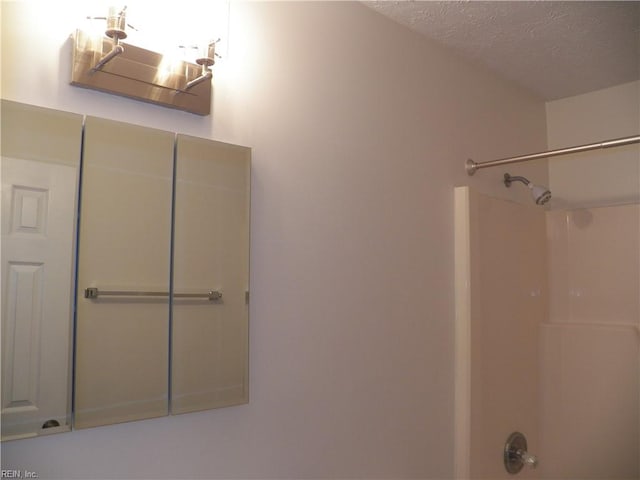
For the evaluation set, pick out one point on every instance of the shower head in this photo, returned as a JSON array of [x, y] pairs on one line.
[[540, 194]]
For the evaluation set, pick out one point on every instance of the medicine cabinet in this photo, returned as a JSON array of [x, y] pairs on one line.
[[161, 280]]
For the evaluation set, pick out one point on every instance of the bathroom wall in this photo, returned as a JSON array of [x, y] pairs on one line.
[[590, 349], [359, 129], [598, 177]]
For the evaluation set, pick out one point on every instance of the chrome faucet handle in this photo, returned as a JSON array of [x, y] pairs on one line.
[[516, 455], [527, 459]]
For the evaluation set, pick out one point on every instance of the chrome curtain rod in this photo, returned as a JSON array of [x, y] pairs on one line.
[[472, 166]]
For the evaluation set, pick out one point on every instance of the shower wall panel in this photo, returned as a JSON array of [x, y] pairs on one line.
[[507, 281], [594, 267], [590, 371], [589, 402]]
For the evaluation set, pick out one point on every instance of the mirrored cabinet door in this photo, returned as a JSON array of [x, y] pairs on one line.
[[122, 339], [157, 269], [40, 164], [211, 252]]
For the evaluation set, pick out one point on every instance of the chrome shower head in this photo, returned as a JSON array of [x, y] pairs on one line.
[[540, 194]]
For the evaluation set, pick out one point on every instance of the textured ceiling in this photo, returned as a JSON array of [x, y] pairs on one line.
[[555, 49]]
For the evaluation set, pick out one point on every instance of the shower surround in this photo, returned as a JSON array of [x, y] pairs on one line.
[[547, 338]]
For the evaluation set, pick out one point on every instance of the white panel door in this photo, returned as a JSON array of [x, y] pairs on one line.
[[38, 226]]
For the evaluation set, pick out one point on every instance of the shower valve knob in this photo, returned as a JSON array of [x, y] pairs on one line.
[[516, 455], [527, 459]]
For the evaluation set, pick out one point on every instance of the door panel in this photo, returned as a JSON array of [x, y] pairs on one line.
[[38, 219]]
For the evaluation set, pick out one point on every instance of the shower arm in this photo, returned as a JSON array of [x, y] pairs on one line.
[[508, 179], [472, 166]]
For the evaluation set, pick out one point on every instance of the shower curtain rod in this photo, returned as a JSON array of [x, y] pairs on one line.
[[472, 166]]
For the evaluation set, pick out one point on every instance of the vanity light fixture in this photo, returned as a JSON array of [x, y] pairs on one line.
[[104, 62], [116, 24], [208, 59]]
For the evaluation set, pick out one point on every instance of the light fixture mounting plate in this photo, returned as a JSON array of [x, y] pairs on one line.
[[139, 74]]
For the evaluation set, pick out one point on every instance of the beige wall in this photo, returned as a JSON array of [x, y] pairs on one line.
[[599, 177], [360, 129]]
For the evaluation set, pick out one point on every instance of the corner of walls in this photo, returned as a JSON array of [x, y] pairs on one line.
[[588, 118]]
